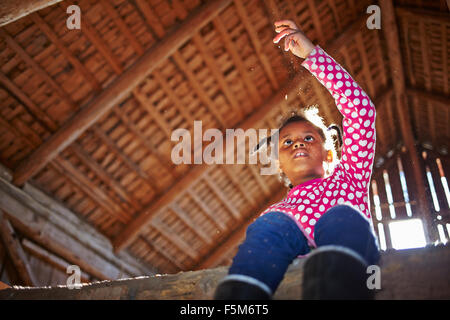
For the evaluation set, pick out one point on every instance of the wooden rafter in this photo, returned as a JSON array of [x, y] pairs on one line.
[[66, 52], [243, 15], [12, 10], [16, 252], [132, 230], [238, 61], [116, 92], [218, 75], [49, 258], [432, 98], [52, 226], [389, 26]]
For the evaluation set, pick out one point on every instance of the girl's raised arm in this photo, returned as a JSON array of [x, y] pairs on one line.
[[353, 103]]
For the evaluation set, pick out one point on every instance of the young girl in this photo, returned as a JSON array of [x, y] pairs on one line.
[[327, 207]]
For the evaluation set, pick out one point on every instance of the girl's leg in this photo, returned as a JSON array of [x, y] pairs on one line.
[[337, 269], [271, 243], [345, 227]]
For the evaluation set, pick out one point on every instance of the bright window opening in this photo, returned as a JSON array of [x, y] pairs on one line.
[[407, 234], [390, 198], [441, 233], [376, 201], [443, 181], [381, 237], [404, 187], [432, 190]]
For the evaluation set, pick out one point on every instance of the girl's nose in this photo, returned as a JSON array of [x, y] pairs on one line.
[[298, 145]]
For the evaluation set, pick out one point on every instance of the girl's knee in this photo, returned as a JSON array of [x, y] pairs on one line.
[[340, 215]]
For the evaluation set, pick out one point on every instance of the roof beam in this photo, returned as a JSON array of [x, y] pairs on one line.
[[433, 98], [12, 10], [16, 252], [390, 29], [116, 92], [49, 224], [133, 229]]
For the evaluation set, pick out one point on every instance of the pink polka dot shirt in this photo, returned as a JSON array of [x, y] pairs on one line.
[[349, 183]]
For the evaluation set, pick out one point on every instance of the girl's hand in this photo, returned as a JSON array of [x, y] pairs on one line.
[[294, 39]]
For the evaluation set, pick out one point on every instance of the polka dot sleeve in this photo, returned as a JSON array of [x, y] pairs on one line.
[[358, 112]]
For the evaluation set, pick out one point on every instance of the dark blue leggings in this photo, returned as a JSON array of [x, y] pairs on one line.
[[274, 240]]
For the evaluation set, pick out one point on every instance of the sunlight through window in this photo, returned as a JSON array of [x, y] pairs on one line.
[[382, 237], [432, 190], [376, 200], [441, 233], [389, 194], [443, 181], [404, 187], [407, 234]]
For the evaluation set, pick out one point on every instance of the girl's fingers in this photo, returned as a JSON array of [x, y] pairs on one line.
[[289, 43], [288, 23], [282, 34]]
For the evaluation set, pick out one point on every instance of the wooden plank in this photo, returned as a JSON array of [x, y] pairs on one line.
[[236, 236], [206, 210], [112, 12], [65, 167], [238, 62], [100, 45], [212, 65], [433, 98], [49, 258], [200, 92], [12, 10], [116, 92], [103, 175], [119, 153], [15, 252], [151, 17], [389, 26], [187, 220], [162, 159], [243, 15], [415, 274], [259, 180], [65, 51], [64, 96], [415, 14], [45, 120], [172, 94], [162, 252], [222, 197], [174, 238], [231, 174], [60, 231]]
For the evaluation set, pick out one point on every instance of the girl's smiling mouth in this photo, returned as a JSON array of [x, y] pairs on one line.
[[300, 154]]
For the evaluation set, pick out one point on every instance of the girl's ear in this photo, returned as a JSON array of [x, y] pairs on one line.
[[329, 156]]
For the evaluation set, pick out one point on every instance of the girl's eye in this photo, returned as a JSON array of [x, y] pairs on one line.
[[287, 142], [309, 138]]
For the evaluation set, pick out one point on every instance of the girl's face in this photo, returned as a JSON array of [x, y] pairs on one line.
[[301, 152]]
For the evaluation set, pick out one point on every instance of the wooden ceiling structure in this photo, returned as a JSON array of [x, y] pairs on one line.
[[86, 115]]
